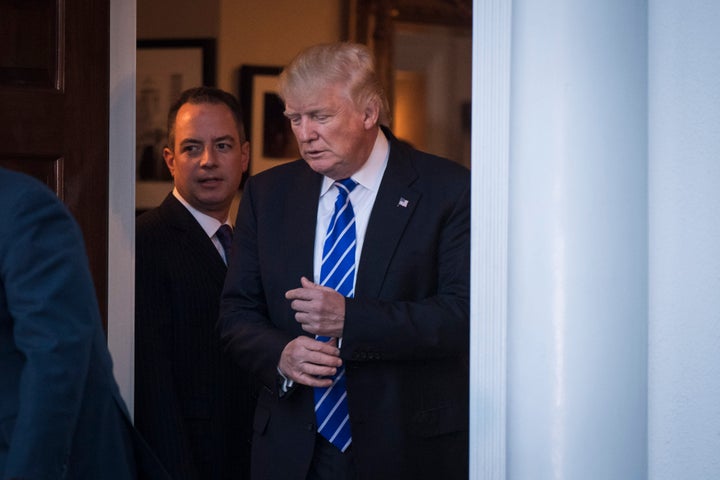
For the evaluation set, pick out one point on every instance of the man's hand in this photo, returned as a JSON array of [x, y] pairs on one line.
[[319, 310], [307, 361]]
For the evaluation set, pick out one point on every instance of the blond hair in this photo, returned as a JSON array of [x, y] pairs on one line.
[[343, 63]]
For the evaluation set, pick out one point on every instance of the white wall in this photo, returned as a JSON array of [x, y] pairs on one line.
[[684, 221]]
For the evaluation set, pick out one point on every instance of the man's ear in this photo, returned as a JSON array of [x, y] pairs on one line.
[[245, 155], [169, 157], [371, 114]]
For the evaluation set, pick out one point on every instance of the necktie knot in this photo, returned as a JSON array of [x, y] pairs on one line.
[[345, 186], [224, 235], [338, 259]]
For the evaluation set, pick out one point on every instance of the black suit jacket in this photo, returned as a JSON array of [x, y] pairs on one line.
[[405, 342], [191, 402]]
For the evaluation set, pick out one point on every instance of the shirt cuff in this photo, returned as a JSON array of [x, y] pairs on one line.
[[284, 383]]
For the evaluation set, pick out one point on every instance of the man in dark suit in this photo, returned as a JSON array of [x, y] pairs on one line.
[[387, 340], [61, 414], [193, 404]]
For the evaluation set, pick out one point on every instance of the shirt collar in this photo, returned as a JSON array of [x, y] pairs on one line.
[[208, 223], [370, 173]]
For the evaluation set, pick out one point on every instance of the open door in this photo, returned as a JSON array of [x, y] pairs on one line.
[[54, 77]]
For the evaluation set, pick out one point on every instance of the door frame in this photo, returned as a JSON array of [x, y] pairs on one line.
[[491, 26], [121, 196]]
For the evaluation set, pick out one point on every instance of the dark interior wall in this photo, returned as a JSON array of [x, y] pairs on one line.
[[177, 18]]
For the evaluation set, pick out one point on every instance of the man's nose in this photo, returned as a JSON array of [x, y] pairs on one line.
[[209, 157], [304, 131]]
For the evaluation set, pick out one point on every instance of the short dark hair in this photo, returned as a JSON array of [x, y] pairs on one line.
[[200, 95]]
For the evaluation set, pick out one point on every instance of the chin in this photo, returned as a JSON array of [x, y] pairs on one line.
[[216, 201], [322, 167]]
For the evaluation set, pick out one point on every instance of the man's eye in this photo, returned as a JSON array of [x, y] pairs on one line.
[[191, 148], [224, 146]]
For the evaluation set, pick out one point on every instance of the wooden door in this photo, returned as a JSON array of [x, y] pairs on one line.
[[54, 77]]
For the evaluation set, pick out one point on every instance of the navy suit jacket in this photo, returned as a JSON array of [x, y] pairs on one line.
[[61, 414], [192, 403], [405, 341]]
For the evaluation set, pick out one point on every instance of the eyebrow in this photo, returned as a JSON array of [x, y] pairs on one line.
[[309, 112], [223, 138]]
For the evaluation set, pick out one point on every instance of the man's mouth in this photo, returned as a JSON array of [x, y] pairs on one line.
[[313, 153], [206, 181]]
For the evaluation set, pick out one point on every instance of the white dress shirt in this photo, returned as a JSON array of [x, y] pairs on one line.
[[362, 198]]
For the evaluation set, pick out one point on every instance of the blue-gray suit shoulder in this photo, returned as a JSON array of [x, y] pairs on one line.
[[54, 360]]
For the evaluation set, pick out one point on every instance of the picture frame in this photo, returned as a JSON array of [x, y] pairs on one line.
[[165, 67], [272, 142]]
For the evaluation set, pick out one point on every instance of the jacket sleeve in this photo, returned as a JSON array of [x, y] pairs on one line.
[[247, 332], [51, 300]]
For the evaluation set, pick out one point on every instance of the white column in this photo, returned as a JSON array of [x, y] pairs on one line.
[[577, 278]]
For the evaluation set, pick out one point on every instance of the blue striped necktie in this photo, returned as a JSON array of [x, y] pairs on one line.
[[338, 272]]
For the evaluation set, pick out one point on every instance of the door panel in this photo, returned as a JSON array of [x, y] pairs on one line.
[[54, 77]]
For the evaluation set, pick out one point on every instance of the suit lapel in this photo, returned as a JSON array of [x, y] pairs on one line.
[[192, 239], [394, 205], [303, 195]]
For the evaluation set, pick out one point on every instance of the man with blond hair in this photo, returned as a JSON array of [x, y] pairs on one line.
[[348, 296]]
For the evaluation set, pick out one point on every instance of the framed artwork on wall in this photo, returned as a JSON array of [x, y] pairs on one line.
[[271, 139], [165, 67]]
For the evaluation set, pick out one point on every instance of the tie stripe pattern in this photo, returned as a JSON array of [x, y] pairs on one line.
[[338, 261], [337, 271]]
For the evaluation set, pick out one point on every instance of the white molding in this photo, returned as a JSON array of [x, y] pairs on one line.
[[489, 237], [121, 208]]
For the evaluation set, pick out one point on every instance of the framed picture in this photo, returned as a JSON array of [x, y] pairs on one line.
[[164, 69], [271, 139]]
